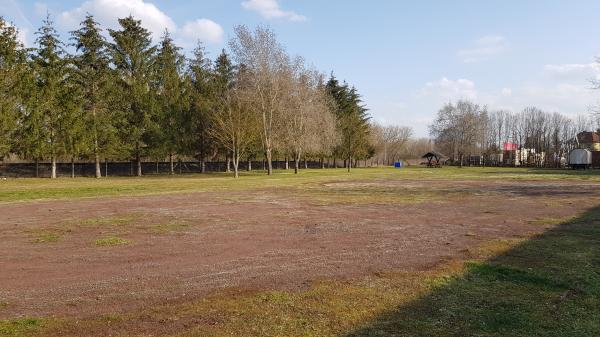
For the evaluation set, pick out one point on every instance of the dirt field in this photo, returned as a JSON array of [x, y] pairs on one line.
[[89, 257]]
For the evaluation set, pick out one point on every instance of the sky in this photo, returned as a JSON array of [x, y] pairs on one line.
[[406, 58]]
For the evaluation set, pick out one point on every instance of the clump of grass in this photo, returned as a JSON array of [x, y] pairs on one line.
[[107, 221], [111, 241], [48, 237], [170, 227], [19, 327], [551, 221]]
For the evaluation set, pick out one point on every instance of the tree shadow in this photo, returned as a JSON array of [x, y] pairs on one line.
[[546, 286]]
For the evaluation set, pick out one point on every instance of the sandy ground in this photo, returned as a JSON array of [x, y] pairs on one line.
[[185, 246]]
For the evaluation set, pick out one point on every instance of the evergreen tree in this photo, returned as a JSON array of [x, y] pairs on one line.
[[133, 56], [171, 98], [353, 121], [198, 141], [12, 69], [43, 121], [224, 74], [94, 79]]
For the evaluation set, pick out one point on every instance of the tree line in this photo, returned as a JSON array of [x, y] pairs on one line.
[[123, 98], [543, 138]]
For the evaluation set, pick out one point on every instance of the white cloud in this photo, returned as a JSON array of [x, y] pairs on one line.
[[202, 29], [446, 89], [570, 97], [108, 11], [577, 72], [156, 21], [485, 47], [270, 9]]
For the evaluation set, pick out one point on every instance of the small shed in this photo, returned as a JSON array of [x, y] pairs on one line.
[[433, 158]]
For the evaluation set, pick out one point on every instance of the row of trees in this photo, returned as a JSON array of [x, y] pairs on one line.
[[465, 128], [130, 99]]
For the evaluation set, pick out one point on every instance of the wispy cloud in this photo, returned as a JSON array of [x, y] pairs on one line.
[[484, 48], [270, 9], [156, 21]]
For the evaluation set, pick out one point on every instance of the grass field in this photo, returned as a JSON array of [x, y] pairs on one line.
[[465, 252]]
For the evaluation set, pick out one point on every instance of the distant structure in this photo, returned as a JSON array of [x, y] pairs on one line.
[[590, 141], [513, 156]]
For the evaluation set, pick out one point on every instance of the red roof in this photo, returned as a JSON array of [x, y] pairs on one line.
[[588, 137]]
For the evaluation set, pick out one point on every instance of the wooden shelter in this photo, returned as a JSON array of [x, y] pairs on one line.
[[433, 158]]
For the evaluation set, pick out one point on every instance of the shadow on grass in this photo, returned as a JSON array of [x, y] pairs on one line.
[[546, 286]]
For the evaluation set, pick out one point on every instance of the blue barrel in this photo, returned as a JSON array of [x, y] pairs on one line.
[[398, 164]]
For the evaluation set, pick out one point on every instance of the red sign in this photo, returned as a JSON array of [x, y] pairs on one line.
[[510, 147]]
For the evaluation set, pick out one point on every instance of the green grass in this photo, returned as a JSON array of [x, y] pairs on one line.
[[111, 241], [47, 237], [19, 327], [25, 189], [174, 226], [550, 221]]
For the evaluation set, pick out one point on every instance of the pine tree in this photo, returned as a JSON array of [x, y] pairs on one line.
[[44, 120], [133, 56], [94, 79], [200, 76], [222, 81], [171, 98], [353, 121], [12, 70]]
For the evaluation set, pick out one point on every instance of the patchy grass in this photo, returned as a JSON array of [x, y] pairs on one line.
[[111, 241], [551, 221], [547, 285], [47, 237], [107, 221], [175, 226], [19, 327]]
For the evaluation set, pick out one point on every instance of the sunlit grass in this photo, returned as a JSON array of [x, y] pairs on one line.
[[111, 241], [65, 188]]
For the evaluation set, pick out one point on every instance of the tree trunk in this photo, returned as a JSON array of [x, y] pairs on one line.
[[96, 155], [296, 164], [236, 164], [228, 166], [322, 163], [249, 168], [53, 169], [106, 167], [97, 165], [72, 167], [37, 168], [349, 164], [460, 159], [157, 168], [287, 163], [305, 164], [138, 159], [171, 164], [202, 165], [269, 162]]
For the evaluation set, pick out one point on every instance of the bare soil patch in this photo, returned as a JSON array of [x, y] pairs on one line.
[[176, 247]]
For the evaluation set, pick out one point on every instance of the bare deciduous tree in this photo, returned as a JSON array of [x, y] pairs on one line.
[[266, 60]]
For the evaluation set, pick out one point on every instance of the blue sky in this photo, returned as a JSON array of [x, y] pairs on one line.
[[407, 58]]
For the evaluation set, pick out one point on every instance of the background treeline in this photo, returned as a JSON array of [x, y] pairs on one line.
[[464, 129], [123, 98]]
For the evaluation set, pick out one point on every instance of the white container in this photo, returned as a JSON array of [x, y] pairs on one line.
[[580, 158]]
